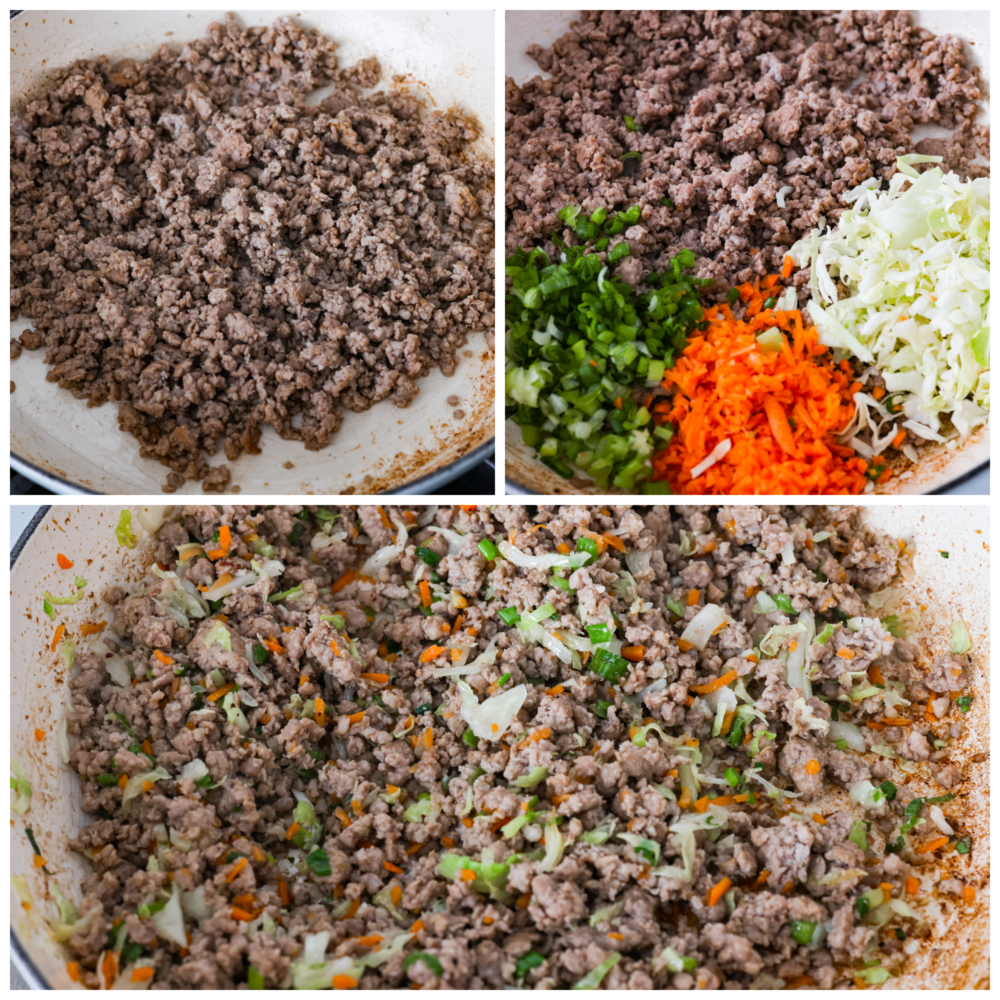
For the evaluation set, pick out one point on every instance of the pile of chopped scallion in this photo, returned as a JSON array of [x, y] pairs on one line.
[[578, 342]]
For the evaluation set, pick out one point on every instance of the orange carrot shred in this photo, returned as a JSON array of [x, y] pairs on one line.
[[64, 563]]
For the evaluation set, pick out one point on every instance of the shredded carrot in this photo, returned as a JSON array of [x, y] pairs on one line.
[[932, 845], [355, 904], [685, 800], [320, 712], [684, 645], [614, 541], [448, 842], [717, 892], [386, 523], [342, 816], [342, 981], [425, 593], [73, 971], [787, 888], [969, 895], [370, 940], [875, 675], [357, 717], [467, 875], [225, 538], [779, 410], [467, 823], [417, 926], [109, 968], [64, 563], [375, 678], [701, 805], [347, 578], [714, 685], [162, 657], [813, 767], [240, 914], [786, 267], [727, 722], [616, 937], [272, 644], [431, 652], [292, 830], [240, 864], [390, 867], [90, 628], [429, 737], [761, 879], [216, 554], [894, 721], [633, 653], [845, 654], [222, 691], [147, 747], [563, 549], [468, 506], [817, 818], [558, 689], [694, 596], [57, 637]]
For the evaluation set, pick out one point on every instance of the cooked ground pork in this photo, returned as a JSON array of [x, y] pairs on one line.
[[363, 760], [729, 107], [195, 242]]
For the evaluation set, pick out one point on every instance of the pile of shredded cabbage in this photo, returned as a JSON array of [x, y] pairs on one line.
[[915, 260]]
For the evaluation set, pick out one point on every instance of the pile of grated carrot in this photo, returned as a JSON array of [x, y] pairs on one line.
[[778, 410]]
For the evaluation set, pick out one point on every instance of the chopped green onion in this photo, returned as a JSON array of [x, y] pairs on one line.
[[601, 708], [488, 549], [732, 776], [429, 556], [429, 960], [470, 739], [509, 616], [255, 979], [609, 666], [784, 604], [124, 532], [599, 633], [527, 962], [802, 931], [503, 680], [589, 546]]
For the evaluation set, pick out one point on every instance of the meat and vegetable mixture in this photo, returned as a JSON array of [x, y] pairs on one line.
[[195, 242], [772, 154], [487, 747]]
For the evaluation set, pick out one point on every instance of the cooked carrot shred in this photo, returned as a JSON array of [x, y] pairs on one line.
[[467, 875], [694, 596], [425, 593], [614, 541], [633, 653], [717, 892], [357, 717], [417, 926], [73, 971], [563, 549], [342, 981], [932, 845], [347, 578], [553, 691], [431, 652], [109, 968], [222, 691], [162, 657], [57, 637], [273, 644], [786, 267], [813, 767], [64, 563], [90, 628], [320, 712], [969, 895], [780, 410], [875, 675], [817, 818], [375, 678], [714, 685], [845, 654], [386, 523], [683, 645], [239, 865], [390, 867]]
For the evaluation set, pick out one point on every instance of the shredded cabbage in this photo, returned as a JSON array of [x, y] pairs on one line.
[[915, 262], [849, 733], [532, 778], [704, 625], [312, 971], [170, 920], [70, 922], [22, 786], [134, 787], [550, 560], [218, 634], [600, 834], [606, 914], [554, 845], [594, 978], [866, 795], [645, 848], [385, 555], [234, 713], [491, 719], [960, 640], [182, 594], [491, 876]]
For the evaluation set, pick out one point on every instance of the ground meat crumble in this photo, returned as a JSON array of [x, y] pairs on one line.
[[195, 242]]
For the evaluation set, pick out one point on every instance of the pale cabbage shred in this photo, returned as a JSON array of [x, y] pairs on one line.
[[916, 263]]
